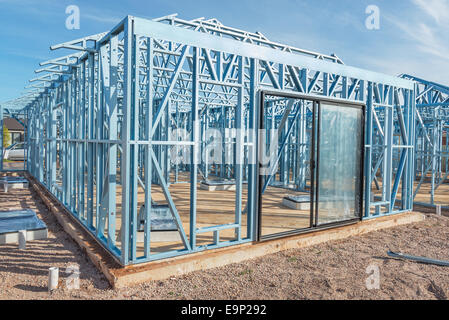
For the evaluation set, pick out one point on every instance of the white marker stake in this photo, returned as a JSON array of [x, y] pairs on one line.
[[53, 278], [438, 210], [22, 239]]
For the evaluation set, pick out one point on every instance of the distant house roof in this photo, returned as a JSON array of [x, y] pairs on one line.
[[12, 124]]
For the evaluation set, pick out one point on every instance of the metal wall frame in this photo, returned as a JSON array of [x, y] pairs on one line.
[[99, 120], [431, 142]]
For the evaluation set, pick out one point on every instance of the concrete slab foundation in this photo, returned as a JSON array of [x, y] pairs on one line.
[[13, 237], [297, 203], [221, 186], [160, 236], [13, 183], [15, 221]]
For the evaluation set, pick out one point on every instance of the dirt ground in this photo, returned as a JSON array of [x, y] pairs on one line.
[[335, 270]]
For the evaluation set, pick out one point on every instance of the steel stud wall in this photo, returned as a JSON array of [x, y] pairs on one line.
[[99, 124], [432, 128]]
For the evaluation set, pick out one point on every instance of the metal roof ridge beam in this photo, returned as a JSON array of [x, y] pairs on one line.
[[150, 28]]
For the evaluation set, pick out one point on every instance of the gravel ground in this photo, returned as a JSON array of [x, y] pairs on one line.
[[335, 270]]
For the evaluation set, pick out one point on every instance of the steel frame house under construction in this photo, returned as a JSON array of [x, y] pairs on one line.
[[168, 137]]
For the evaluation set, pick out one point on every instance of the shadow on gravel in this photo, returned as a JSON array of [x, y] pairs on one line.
[[30, 288]]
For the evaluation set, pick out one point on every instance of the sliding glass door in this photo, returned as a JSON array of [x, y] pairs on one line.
[[340, 159], [310, 164]]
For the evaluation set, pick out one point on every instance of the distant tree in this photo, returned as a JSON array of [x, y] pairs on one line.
[[6, 137]]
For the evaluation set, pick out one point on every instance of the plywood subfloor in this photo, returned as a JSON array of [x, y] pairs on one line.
[[441, 194], [218, 208], [213, 208], [423, 196]]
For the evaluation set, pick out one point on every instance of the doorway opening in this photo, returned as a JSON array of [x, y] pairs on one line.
[[310, 164]]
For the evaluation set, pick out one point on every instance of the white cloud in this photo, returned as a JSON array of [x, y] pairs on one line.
[[427, 48], [428, 39], [98, 18], [24, 54], [437, 9], [394, 65]]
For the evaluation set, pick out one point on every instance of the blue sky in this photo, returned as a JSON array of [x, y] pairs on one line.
[[413, 36]]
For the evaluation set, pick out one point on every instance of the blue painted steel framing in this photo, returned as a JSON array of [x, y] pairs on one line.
[[432, 133], [99, 124]]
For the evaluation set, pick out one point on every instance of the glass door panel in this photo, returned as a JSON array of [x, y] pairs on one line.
[[339, 175]]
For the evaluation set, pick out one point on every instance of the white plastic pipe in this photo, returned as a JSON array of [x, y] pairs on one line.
[[438, 209], [22, 239], [53, 278]]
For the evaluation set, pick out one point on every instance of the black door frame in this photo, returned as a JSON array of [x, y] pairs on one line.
[[313, 164]]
